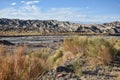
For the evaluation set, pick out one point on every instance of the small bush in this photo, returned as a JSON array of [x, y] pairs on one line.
[[77, 66]]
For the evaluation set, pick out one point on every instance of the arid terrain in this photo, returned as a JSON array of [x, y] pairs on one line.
[[16, 27], [59, 39], [58, 50], [67, 57]]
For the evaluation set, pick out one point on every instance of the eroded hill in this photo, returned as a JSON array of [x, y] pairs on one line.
[[54, 26]]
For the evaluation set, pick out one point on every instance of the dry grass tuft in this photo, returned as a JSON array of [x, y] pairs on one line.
[[118, 77], [76, 45], [2, 50], [18, 66], [98, 50], [56, 59]]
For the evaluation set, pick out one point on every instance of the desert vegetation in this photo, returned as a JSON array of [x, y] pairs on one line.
[[21, 66], [77, 54], [95, 52], [95, 49]]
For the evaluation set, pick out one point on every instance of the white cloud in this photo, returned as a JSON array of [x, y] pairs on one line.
[[30, 11], [22, 1], [30, 2], [13, 4]]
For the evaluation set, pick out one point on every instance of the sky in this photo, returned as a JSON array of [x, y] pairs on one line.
[[86, 11]]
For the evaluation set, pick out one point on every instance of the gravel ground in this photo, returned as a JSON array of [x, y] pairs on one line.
[[109, 72]]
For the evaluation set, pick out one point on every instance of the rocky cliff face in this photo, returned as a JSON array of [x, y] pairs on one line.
[[57, 26]]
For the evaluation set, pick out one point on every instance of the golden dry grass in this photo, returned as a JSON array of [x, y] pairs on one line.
[[97, 50], [21, 66], [118, 77], [76, 45], [18, 66]]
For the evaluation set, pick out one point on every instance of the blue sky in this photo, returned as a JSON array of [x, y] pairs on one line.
[[86, 11]]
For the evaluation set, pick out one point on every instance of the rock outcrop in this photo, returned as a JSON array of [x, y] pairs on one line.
[[54, 26]]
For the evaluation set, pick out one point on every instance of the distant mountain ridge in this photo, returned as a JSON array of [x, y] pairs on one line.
[[52, 26]]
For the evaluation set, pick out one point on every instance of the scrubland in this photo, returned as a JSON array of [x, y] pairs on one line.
[[82, 54]]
